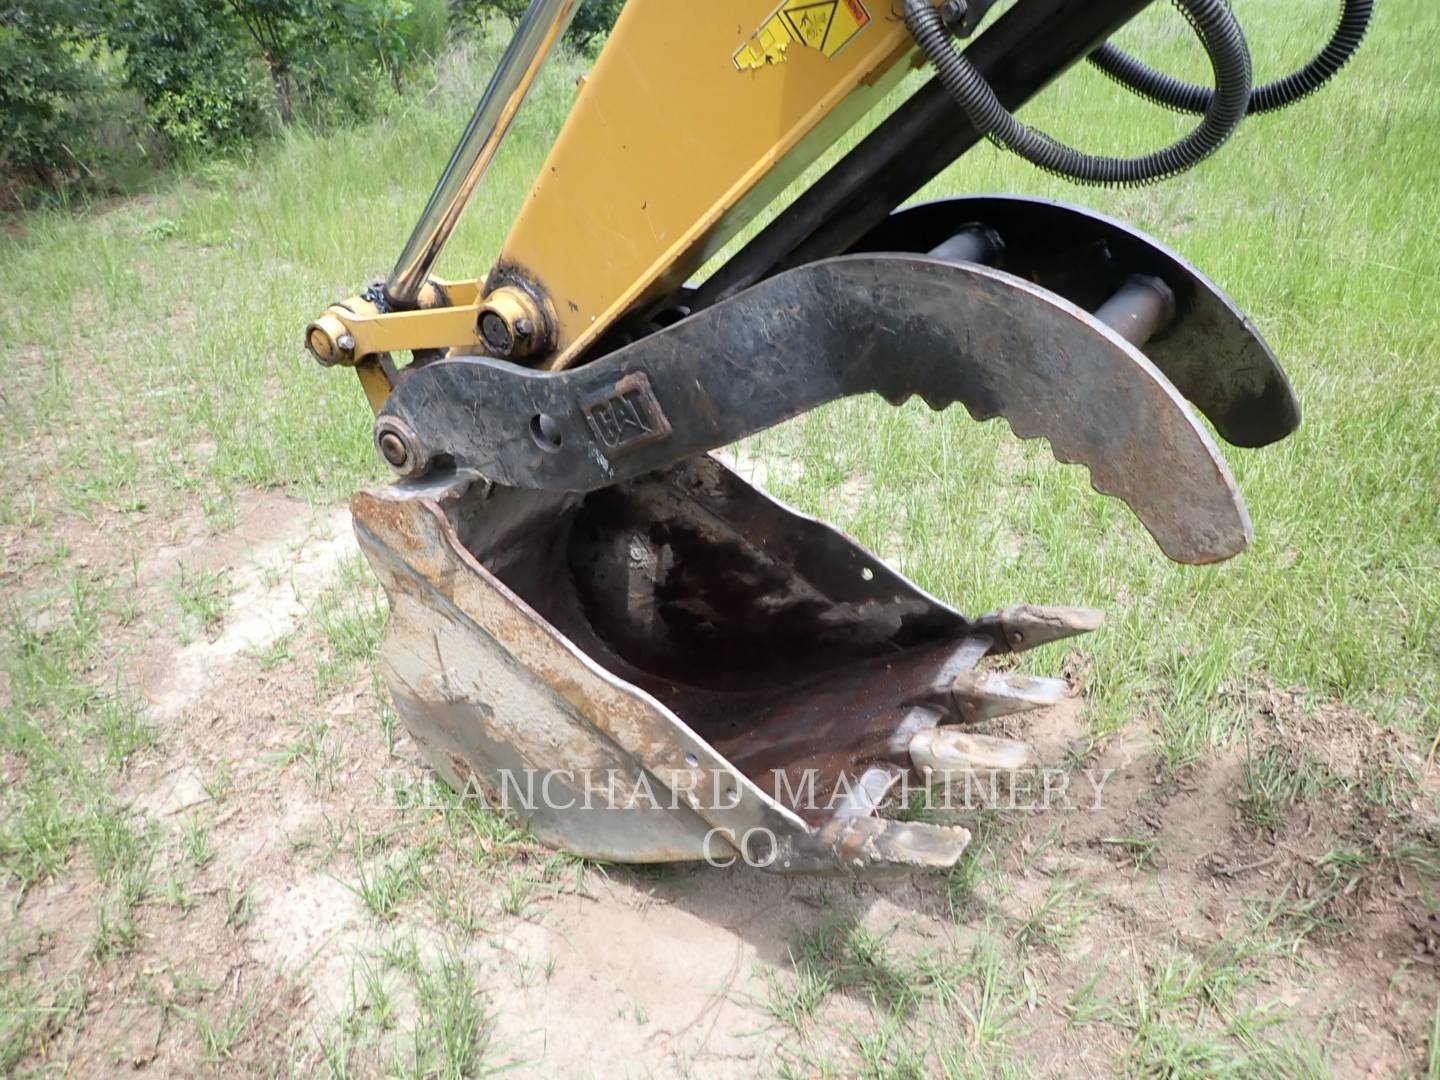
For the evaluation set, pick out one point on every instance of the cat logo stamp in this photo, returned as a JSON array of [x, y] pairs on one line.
[[625, 416]]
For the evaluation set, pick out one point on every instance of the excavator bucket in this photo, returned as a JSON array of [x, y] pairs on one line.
[[594, 623], [679, 667]]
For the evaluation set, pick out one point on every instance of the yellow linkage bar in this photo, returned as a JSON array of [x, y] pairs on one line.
[[696, 115]]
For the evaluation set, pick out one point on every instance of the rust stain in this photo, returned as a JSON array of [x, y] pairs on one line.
[[462, 769], [389, 518]]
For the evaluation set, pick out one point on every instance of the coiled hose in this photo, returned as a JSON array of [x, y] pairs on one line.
[[1224, 43], [1186, 97]]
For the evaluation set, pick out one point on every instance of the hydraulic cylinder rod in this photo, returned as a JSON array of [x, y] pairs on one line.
[[542, 26]]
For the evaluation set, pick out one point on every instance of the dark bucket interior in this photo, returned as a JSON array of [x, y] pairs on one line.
[[773, 636]]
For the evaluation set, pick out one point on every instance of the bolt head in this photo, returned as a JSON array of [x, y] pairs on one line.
[[320, 346], [393, 449], [953, 13], [496, 334]]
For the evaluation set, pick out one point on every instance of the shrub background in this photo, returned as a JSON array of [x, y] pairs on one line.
[[92, 96]]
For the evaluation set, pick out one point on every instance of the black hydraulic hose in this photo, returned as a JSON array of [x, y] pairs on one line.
[[1186, 97], [1229, 57]]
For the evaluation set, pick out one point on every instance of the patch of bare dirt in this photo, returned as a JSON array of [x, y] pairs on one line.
[[674, 972], [1176, 859], [762, 472], [272, 569]]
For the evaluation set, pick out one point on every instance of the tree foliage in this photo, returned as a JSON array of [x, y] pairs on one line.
[[214, 74], [48, 87], [199, 89], [592, 20]]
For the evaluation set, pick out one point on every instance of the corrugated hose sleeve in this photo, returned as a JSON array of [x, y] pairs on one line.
[[1186, 97], [1224, 44]]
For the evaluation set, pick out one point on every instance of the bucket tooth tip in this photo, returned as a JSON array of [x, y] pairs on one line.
[[918, 844], [1027, 626], [874, 846], [940, 753], [978, 696]]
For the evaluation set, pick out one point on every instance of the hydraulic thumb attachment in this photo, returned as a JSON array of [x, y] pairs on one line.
[[896, 325], [594, 623]]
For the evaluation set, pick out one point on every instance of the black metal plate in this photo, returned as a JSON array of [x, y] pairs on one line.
[[896, 325], [1211, 352]]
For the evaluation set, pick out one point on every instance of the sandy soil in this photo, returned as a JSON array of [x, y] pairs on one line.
[[611, 972]]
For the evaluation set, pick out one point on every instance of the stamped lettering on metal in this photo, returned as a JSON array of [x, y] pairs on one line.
[[625, 415]]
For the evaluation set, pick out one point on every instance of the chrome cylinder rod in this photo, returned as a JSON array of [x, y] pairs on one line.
[[542, 26]]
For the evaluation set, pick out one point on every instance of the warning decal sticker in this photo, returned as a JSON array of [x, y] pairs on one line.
[[824, 25]]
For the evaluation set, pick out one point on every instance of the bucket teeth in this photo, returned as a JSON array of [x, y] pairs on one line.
[[914, 844], [939, 753], [867, 846], [977, 696], [1026, 626], [866, 795]]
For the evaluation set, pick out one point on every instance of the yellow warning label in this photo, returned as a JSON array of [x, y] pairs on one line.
[[824, 25]]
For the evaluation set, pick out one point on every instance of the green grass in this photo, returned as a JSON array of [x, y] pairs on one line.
[[218, 1031], [1275, 781], [1057, 918], [975, 994], [386, 883], [315, 751], [1432, 1057], [446, 1034], [452, 1032], [203, 598], [793, 999], [847, 956], [195, 844], [1190, 1014], [66, 738], [33, 1013], [350, 616], [239, 906]]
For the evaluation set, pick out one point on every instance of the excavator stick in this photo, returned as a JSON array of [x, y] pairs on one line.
[[597, 625]]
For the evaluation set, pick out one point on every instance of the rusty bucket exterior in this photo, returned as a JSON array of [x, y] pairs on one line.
[[551, 656]]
